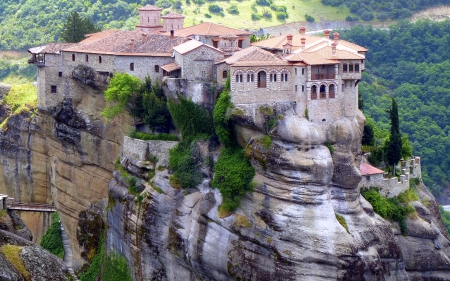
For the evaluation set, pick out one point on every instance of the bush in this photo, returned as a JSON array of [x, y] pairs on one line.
[[208, 15], [214, 8], [445, 215], [52, 240], [233, 9], [222, 124], [309, 18], [263, 2], [185, 165], [191, 119], [282, 15], [115, 268], [277, 8], [199, 2], [233, 175], [144, 136], [94, 268], [367, 16], [394, 209], [266, 14], [350, 18]]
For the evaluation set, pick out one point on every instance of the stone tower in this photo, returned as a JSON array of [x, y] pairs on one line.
[[173, 21], [150, 18]]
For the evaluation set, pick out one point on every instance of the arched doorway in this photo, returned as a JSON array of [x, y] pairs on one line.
[[331, 91], [314, 92], [262, 79], [323, 93]]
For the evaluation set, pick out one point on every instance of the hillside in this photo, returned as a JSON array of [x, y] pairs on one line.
[[416, 75]]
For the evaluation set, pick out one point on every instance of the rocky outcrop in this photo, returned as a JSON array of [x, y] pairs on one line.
[[38, 264], [287, 229]]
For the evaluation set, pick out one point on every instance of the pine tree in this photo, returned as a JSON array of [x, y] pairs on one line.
[[76, 27], [394, 149]]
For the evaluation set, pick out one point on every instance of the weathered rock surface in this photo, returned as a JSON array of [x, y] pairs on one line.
[[38, 263], [287, 228]]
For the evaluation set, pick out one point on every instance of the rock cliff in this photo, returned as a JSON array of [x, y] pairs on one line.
[[287, 229]]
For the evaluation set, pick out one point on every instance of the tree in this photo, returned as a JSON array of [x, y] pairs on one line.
[[76, 27], [394, 148], [121, 87]]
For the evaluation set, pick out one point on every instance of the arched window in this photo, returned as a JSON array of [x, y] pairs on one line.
[[273, 77], [239, 77], [250, 77], [284, 76], [313, 92], [157, 68], [323, 94], [225, 74], [331, 91], [262, 79]]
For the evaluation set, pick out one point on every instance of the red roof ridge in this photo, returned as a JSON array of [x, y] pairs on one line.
[[367, 169]]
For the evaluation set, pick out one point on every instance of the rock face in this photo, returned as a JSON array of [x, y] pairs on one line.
[[38, 264], [64, 155], [287, 228]]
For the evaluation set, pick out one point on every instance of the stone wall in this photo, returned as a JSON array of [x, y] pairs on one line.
[[137, 149], [393, 187], [198, 64]]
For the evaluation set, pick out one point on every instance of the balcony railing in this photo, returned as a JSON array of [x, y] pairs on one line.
[[322, 76], [36, 62]]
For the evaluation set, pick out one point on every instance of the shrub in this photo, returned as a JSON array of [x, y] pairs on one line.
[[309, 18], [445, 215], [265, 141], [263, 2], [329, 146], [115, 268], [266, 14], [94, 268], [191, 119], [342, 221], [281, 15], [185, 164], [233, 175], [199, 2], [233, 9], [121, 87], [52, 240], [160, 136], [367, 16], [214, 8], [277, 8], [208, 15], [222, 124]]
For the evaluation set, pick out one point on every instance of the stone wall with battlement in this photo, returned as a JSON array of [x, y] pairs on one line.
[[393, 187]]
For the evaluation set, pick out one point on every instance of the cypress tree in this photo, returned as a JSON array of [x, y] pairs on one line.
[[394, 149], [76, 27]]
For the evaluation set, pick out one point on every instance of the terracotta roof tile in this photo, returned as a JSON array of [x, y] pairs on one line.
[[190, 46], [52, 48], [173, 15], [252, 55], [367, 169], [310, 58], [208, 29], [170, 67], [278, 41], [133, 42], [149, 8]]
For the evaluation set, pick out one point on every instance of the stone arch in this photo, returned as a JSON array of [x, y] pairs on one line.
[[323, 91], [225, 74], [250, 76], [262, 78], [238, 76], [332, 89], [284, 75], [314, 92], [273, 75]]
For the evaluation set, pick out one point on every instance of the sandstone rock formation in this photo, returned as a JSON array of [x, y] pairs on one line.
[[287, 228]]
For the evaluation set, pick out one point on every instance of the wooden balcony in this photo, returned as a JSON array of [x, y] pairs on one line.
[[323, 76]]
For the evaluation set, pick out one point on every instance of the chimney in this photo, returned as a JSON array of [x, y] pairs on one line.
[[132, 45], [172, 34], [326, 33], [144, 37], [333, 48], [303, 42], [336, 36], [289, 38], [302, 30]]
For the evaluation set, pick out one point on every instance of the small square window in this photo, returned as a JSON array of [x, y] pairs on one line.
[[53, 89]]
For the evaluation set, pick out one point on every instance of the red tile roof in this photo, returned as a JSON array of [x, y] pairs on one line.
[[173, 15], [190, 46], [208, 29], [170, 67], [52, 48], [367, 169], [135, 42], [149, 8], [253, 56]]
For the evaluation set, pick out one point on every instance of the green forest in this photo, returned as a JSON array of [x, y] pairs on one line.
[[411, 63], [384, 9]]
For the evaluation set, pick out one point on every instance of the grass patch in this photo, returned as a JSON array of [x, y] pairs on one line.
[[265, 141], [96, 263], [158, 189], [445, 215], [342, 221], [329, 146], [21, 98], [160, 136], [12, 252], [115, 268], [242, 221], [52, 240]]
